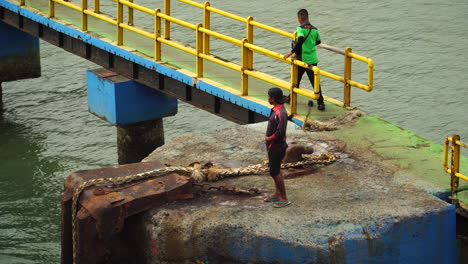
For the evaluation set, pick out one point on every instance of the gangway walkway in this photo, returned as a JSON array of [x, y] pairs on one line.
[[148, 42]]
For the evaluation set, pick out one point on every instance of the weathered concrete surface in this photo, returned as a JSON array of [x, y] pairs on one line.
[[369, 206]]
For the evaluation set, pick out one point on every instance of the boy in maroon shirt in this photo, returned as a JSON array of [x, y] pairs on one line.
[[276, 145]]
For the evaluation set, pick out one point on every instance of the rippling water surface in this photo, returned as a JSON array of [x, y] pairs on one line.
[[46, 132]]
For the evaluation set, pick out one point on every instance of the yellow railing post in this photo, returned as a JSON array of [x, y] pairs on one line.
[[293, 95], [446, 146], [167, 26], [455, 167], [119, 21], [51, 8], [199, 48], [316, 71], [207, 25], [346, 77], [370, 74], [245, 66], [250, 39], [84, 17], [22, 2], [157, 35], [130, 14], [97, 6]]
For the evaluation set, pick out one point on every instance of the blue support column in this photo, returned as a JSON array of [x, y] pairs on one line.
[[135, 109], [19, 54]]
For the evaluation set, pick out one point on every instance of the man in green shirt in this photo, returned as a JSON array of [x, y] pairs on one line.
[[307, 38]]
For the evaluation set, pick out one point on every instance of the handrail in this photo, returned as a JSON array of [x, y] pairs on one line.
[[226, 14], [454, 169], [346, 79], [68, 4], [138, 7], [101, 17], [272, 29], [331, 48], [455, 164], [202, 51], [222, 36], [178, 21]]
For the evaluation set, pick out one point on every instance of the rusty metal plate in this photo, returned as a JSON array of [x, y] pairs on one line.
[[110, 205], [104, 208], [107, 74]]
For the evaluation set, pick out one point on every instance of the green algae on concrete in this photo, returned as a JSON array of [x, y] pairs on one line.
[[462, 196], [420, 159]]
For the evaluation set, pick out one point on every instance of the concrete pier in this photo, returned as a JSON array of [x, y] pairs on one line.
[[135, 109], [136, 141], [376, 204], [19, 54], [368, 207]]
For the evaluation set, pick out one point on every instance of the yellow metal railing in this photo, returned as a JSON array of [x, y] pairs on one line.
[[454, 169], [203, 33], [346, 79]]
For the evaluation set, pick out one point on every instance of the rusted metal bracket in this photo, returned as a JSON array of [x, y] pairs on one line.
[[104, 209]]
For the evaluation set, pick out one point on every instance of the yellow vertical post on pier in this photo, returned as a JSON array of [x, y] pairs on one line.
[[346, 77], [446, 146], [455, 167], [157, 35], [130, 14], [207, 25], [22, 2], [167, 26], [84, 17], [316, 71], [51, 8], [250, 39], [370, 73], [293, 95], [199, 48], [245, 66], [97, 6], [119, 21]]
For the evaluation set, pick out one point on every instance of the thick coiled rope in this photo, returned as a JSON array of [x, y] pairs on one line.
[[197, 173]]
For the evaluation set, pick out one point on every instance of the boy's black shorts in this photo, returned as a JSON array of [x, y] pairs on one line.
[[275, 156]]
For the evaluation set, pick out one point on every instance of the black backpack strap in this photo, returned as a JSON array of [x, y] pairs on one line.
[[310, 30], [309, 27]]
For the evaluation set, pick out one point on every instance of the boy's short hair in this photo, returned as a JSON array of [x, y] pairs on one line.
[[277, 94], [303, 14]]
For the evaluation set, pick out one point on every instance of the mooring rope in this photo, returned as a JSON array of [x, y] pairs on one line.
[[197, 173]]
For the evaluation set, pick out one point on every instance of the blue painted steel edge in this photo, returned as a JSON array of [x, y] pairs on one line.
[[10, 6], [427, 237], [211, 89], [175, 74]]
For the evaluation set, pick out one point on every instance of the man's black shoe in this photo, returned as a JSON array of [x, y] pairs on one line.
[[321, 106], [310, 103]]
